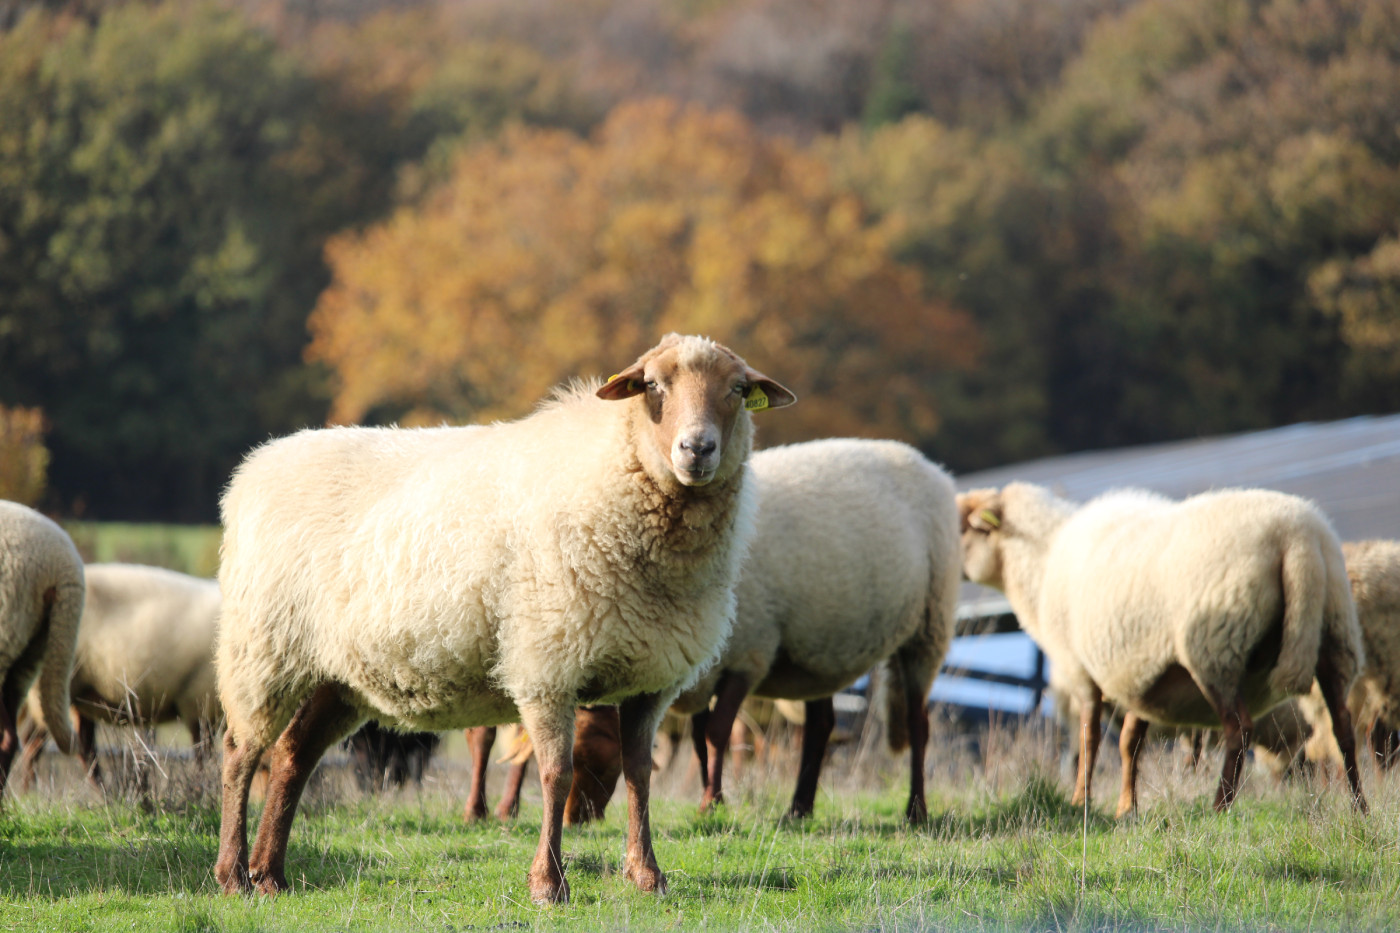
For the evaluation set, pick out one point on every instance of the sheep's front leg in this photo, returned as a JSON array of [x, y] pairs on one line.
[[1129, 747], [241, 759], [1334, 692], [640, 717], [479, 739], [509, 806], [719, 724], [1090, 733], [551, 729], [816, 733], [1238, 731], [320, 722]]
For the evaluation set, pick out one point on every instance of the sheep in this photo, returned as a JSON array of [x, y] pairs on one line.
[[41, 601], [1205, 612], [144, 655], [875, 578], [1373, 568], [447, 577], [383, 758]]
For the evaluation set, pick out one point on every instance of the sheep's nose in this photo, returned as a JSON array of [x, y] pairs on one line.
[[698, 447]]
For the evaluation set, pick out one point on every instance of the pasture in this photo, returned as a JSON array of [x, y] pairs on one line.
[[1003, 851]]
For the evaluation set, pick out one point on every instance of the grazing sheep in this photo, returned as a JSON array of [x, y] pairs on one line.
[[855, 562], [144, 656], [449, 577], [41, 600], [383, 758], [1374, 702], [1205, 612], [874, 576]]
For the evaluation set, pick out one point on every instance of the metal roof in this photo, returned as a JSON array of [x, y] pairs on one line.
[[1350, 468]]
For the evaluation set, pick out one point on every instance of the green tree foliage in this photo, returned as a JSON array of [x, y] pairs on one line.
[[164, 187]]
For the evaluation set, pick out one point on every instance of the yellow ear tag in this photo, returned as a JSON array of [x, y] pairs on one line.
[[756, 400], [613, 377], [990, 517]]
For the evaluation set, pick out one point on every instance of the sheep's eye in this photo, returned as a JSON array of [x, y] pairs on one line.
[[741, 389], [651, 385]]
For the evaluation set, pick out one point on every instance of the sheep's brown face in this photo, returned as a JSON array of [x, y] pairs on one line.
[[694, 393], [979, 512]]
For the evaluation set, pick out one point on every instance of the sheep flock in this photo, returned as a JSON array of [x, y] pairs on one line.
[[624, 556]]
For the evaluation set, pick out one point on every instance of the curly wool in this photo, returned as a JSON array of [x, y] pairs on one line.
[[41, 601]]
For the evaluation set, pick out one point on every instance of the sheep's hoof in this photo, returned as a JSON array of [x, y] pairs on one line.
[[1125, 808], [710, 802], [269, 883], [916, 812], [798, 811], [1361, 806], [233, 879], [648, 878], [474, 813], [546, 891]]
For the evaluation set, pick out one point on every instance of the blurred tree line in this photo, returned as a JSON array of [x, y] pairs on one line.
[[999, 230]]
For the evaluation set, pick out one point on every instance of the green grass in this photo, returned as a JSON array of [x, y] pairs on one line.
[[1004, 851], [192, 549]]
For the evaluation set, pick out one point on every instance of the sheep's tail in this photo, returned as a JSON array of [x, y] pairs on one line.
[[56, 672], [1306, 598], [896, 705]]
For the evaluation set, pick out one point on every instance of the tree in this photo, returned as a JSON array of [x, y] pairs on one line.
[[547, 256], [24, 460]]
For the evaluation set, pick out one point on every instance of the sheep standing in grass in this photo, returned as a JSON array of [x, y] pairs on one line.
[[41, 601], [451, 577], [144, 656], [1374, 702], [855, 562], [1205, 612]]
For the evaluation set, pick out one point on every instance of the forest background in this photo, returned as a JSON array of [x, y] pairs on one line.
[[997, 229]]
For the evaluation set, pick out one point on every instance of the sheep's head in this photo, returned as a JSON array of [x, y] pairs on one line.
[[980, 518], [695, 392]]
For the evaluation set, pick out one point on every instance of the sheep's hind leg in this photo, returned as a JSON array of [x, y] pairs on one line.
[[480, 739], [639, 717], [820, 719], [320, 722], [10, 699], [1334, 692], [1238, 731], [241, 761], [1129, 747], [729, 696]]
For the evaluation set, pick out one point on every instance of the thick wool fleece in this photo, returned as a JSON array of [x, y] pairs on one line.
[[41, 601], [855, 561], [447, 576], [1132, 584], [146, 647]]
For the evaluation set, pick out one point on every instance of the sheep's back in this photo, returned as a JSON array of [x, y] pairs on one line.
[[35, 555], [1374, 571]]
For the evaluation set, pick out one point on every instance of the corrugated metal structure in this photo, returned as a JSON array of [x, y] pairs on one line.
[[1350, 468]]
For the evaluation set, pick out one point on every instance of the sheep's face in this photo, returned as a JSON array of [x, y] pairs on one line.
[[980, 518], [695, 392]]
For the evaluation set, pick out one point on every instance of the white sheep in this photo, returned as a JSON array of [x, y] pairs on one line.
[[1204, 612], [1374, 570], [855, 561], [450, 577], [41, 600], [144, 655]]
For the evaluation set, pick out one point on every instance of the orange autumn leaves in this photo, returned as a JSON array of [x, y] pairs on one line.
[[546, 256]]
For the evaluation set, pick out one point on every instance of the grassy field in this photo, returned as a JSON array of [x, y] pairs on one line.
[[1004, 851], [190, 549]]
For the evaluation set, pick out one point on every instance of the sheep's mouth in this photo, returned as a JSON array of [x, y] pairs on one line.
[[695, 477]]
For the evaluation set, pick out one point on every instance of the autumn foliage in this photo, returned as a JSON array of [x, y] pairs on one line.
[[24, 460], [548, 256]]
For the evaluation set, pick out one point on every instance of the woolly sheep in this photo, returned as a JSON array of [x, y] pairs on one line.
[[1204, 612], [1373, 568], [144, 655], [855, 561], [448, 577], [41, 600]]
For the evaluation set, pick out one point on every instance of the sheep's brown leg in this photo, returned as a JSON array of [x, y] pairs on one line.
[[85, 733], [9, 732], [551, 732], [597, 763], [1090, 734], [240, 766], [816, 732], [1238, 731], [729, 696], [509, 806], [32, 739], [320, 722], [1129, 747], [1335, 693], [699, 726], [480, 739], [639, 717], [1198, 738]]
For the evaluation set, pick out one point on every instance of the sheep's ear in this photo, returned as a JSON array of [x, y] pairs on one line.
[[980, 509], [765, 393], [623, 385]]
